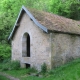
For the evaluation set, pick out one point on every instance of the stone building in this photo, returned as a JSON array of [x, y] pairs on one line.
[[40, 37]]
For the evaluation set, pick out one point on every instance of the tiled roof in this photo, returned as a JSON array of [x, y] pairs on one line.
[[56, 23]]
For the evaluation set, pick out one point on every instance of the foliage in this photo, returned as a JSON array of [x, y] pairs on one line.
[[31, 70], [8, 15], [3, 78], [10, 10], [14, 65], [67, 8], [75, 10], [39, 4], [11, 65], [44, 68], [5, 52]]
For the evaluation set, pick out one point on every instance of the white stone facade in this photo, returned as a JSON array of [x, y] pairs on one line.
[[40, 51]]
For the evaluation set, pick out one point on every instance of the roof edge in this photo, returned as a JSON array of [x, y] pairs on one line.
[[55, 31], [32, 18]]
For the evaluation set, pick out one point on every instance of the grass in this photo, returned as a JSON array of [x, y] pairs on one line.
[[69, 71], [3, 78]]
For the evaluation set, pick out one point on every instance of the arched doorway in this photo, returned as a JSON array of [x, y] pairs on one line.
[[26, 45]]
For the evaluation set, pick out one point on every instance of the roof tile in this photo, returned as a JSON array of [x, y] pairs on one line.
[[54, 22]]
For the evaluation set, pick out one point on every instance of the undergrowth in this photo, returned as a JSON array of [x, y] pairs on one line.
[[10, 65], [3, 78], [69, 71]]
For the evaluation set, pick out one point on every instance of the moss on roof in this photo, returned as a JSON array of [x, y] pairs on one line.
[[54, 22]]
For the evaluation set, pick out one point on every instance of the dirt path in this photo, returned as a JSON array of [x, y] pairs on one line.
[[8, 76]]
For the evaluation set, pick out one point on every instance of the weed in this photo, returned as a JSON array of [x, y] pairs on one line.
[[11, 65], [14, 65], [43, 68], [3, 78], [32, 70]]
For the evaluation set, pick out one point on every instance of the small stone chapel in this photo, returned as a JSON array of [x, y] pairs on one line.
[[40, 37]]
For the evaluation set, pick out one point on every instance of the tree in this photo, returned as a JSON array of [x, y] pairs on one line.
[[67, 8], [75, 10], [8, 14], [39, 4]]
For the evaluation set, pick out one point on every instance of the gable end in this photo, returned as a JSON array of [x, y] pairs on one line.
[[23, 9]]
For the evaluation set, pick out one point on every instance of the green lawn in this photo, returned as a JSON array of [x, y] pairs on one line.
[[3, 78], [70, 71]]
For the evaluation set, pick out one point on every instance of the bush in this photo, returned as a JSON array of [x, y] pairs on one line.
[[14, 65], [5, 66], [32, 70], [11, 65], [44, 68], [5, 52]]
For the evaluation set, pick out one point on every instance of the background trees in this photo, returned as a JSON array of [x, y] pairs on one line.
[[9, 10], [67, 8]]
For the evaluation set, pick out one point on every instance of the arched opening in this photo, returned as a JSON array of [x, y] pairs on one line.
[[26, 45]]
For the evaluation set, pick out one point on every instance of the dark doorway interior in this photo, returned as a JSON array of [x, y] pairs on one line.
[[27, 65], [28, 46]]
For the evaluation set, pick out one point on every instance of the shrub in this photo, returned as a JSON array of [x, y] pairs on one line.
[[6, 60], [44, 68], [5, 67], [1, 66], [11, 65], [14, 65], [32, 70], [5, 52]]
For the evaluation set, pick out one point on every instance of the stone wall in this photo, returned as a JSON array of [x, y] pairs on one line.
[[65, 48], [40, 50]]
